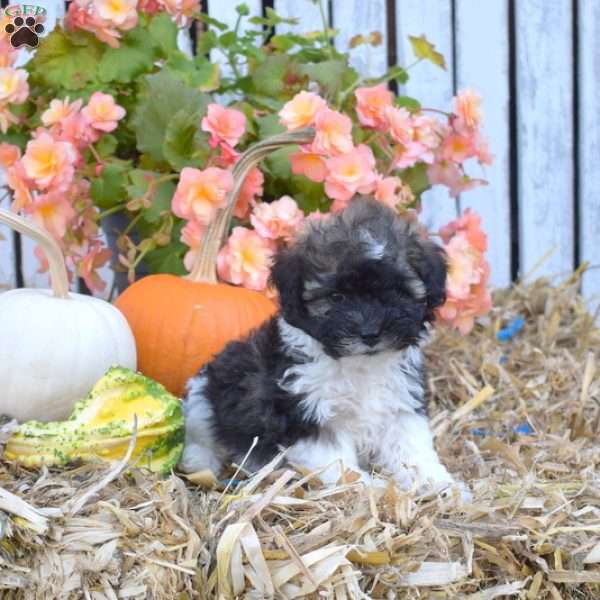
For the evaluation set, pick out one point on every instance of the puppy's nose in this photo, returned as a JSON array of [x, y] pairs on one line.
[[370, 339]]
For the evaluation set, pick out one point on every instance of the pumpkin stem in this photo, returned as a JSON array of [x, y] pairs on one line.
[[204, 267], [58, 272]]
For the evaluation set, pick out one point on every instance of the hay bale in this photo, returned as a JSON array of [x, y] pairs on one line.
[[519, 420]]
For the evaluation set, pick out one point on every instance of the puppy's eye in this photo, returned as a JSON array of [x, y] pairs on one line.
[[336, 297]]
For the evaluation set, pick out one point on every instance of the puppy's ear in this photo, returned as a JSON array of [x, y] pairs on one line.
[[430, 264], [287, 276]]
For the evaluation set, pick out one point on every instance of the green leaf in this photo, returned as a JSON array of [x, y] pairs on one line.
[[207, 40], [178, 146], [161, 198], [425, 50], [163, 32], [164, 96], [108, 190], [134, 56], [409, 103], [204, 18], [15, 137], [228, 39], [416, 178], [106, 145], [269, 77], [168, 259], [67, 61], [269, 125], [207, 76], [328, 74]]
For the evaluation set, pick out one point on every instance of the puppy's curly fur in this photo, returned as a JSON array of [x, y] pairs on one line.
[[336, 378]]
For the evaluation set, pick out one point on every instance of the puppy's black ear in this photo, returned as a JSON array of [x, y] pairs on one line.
[[287, 276], [432, 268]]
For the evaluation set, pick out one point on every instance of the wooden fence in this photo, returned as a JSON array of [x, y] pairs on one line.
[[536, 64]]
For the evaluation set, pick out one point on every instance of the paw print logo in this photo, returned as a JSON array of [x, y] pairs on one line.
[[24, 32]]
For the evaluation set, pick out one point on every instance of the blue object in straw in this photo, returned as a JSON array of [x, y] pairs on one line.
[[512, 328]]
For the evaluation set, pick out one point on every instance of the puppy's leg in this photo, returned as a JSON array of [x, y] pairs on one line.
[[199, 450], [334, 450], [407, 451]]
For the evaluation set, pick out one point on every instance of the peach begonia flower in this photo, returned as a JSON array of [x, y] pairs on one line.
[[192, 235], [182, 10], [468, 272], [301, 110], [53, 212], [121, 13], [48, 162], [333, 133], [393, 192], [351, 173], [17, 181], [252, 188], [200, 194], [14, 88], [277, 220], [150, 7], [371, 103], [246, 259], [9, 154], [457, 148], [224, 124], [102, 112], [96, 258], [309, 164], [59, 110], [449, 174], [467, 107], [82, 14]]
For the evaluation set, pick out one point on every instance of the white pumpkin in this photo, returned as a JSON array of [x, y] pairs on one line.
[[54, 344]]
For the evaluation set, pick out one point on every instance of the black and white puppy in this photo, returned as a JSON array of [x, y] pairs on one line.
[[336, 377]]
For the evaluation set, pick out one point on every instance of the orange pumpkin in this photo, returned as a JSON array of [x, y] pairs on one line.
[[180, 323]]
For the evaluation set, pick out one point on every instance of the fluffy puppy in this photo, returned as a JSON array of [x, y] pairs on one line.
[[336, 378]]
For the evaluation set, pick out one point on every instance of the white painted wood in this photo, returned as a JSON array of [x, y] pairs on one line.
[[484, 25], [589, 143], [7, 255], [545, 134], [306, 11], [353, 17], [428, 83]]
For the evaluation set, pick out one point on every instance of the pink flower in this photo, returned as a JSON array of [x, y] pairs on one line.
[[393, 192], [6, 118], [457, 147], [14, 88], [53, 212], [279, 219], [8, 54], [351, 173], [150, 7], [192, 235], [102, 112], [246, 259], [59, 110], [200, 194], [17, 181], [9, 154], [48, 162], [252, 188], [400, 124], [449, 174], [309, 164], [82, 15], [224, 124], [301, 110], [182, 10], [121, 13], [467, 107], [334, 133], [468, 272], [370, 105], [97, 257]]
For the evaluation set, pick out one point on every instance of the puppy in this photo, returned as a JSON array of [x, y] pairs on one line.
[[336, 378]]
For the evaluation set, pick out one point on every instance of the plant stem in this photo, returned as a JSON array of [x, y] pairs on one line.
[[110, 211]]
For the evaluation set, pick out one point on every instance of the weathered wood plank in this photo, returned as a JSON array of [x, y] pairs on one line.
[[428, 83], [353, 17], [307, 13], [545, 134], [484, 25], [589, 142]]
